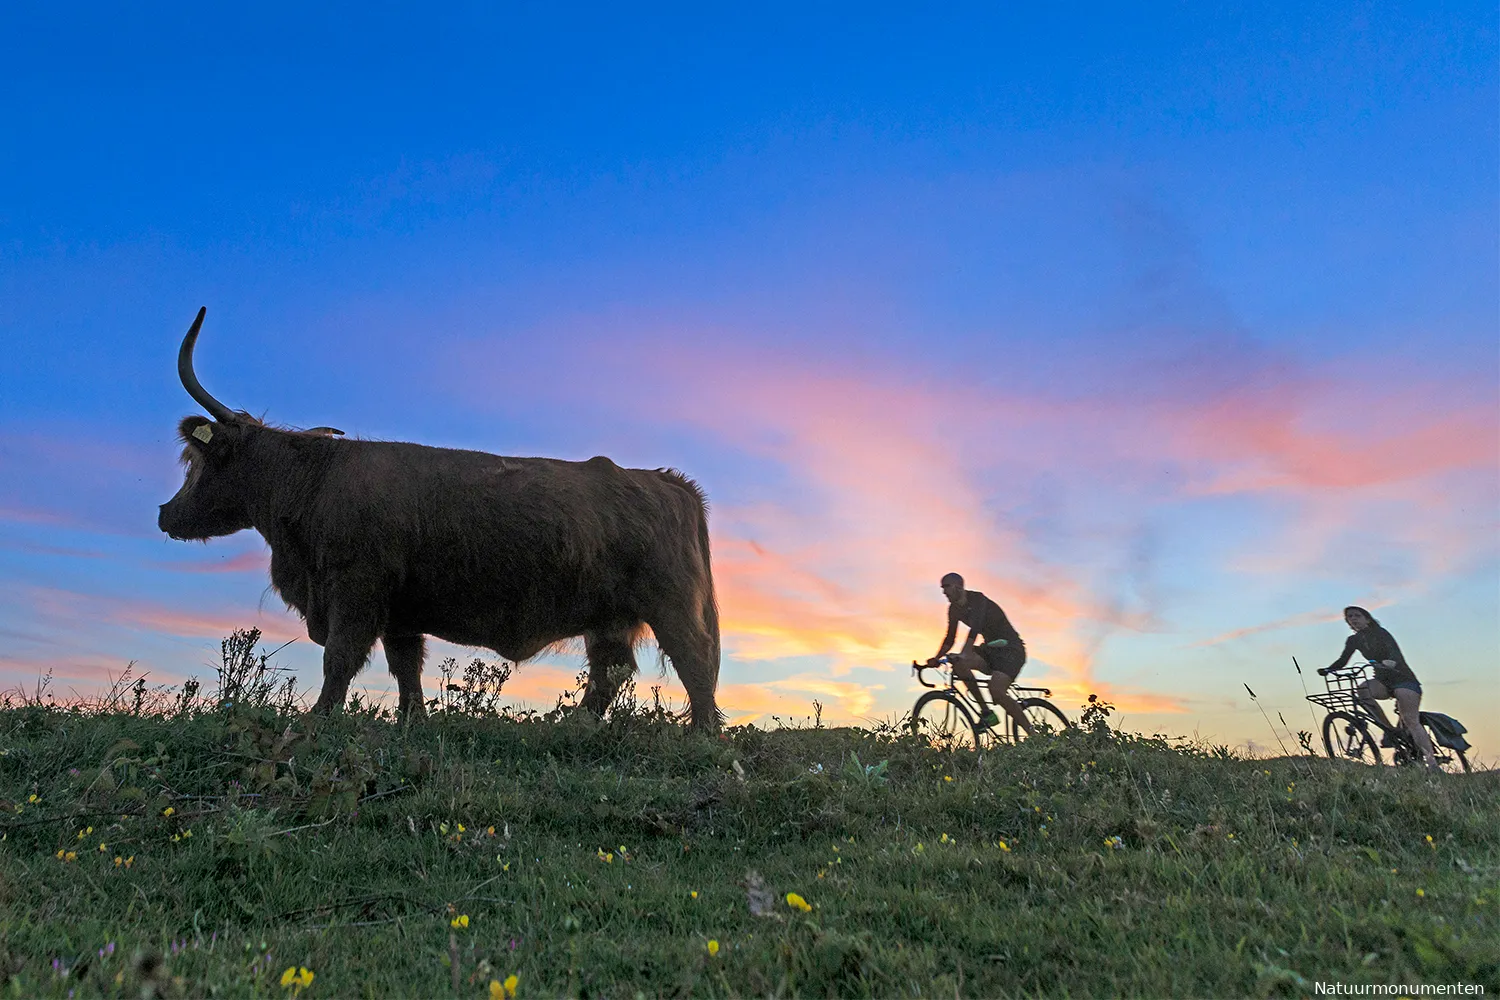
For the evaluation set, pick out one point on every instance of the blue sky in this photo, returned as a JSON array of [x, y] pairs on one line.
[[1173, 329]]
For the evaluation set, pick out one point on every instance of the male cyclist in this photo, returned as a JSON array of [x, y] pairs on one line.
[[1001, 655]]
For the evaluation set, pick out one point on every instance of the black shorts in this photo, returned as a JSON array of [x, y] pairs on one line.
[[1006, 660]]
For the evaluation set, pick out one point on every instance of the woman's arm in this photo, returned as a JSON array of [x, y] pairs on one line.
[[1349, 645]]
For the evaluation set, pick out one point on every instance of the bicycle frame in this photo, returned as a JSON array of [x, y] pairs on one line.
[[945, 668]]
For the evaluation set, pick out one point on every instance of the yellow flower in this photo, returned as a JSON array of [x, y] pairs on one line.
[[607, 857], [168, 811], [500, 991], [713, 947], [61, 853], [796, 902], [694, 893], [918, 849], [1003, 846], [511, 982], [489, 832], [461, 828], [130, 861], [102, 848], [186, 834], [119, 861], [462, 920], [943, 839], [947, 777], [72, 856], [296, 979], [1421, 892], [32, 799]]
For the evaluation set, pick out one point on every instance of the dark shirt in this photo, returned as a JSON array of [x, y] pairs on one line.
[[984, 617], [1375, 643]]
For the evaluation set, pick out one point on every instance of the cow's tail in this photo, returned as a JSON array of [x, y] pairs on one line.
[[710, 609]]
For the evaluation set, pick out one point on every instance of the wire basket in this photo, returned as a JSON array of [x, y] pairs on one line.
[[1343, 688]]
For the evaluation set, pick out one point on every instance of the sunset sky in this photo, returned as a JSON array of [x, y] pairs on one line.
[[1173, 328]]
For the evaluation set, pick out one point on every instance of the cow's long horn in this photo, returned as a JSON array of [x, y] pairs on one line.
[[190, 382]]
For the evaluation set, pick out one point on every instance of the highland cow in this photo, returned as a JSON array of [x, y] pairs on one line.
[[395, 541]]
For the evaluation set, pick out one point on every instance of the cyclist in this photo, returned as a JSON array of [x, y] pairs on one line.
[[1001, 655], [1393, 678]]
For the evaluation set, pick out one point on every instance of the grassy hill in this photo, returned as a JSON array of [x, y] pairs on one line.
[[181, 849]]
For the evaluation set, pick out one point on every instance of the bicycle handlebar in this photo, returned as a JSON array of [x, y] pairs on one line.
[[918, 668]]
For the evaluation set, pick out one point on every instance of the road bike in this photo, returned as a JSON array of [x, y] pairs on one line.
[[1349, 729], [949, 717]]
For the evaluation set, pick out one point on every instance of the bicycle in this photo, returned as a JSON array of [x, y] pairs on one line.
[[1347, 727], [949, 718]]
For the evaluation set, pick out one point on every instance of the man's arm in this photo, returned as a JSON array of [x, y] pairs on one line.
[[948, 638]]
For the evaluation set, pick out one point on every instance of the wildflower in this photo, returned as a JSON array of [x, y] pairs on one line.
[[943, 839], [187, 833], [796, 902], [1003, 846], [489, 832], [102, 848], [119, 861], [461, 828], [713, 947], [1430, 843], [694, 894], [1114, 843], [501, 991], [71, 856], [1231, 836], [1421, 892], [608, 857], [33, 799], [462, 920], [947, 777], [60, 853], [296, 979], [918, 849]]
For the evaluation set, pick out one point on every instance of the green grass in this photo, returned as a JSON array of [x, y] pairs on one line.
[[336, 845]]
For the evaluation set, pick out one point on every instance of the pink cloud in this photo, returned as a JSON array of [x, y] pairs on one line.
[[245, 562], [890, 477], [148, 616]]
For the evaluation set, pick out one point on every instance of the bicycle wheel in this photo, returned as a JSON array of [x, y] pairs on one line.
[[1041, 713], [1450, 760], [1347, 737], [941, 718]]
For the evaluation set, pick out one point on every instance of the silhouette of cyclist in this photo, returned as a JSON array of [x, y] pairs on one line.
[[1001, 654]]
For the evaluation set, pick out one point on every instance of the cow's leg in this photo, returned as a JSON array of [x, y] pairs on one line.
[[693, 647], [350, 639], [611, 658], [404, 655]]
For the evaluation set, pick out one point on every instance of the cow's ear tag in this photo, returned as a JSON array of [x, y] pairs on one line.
[[203, 433]]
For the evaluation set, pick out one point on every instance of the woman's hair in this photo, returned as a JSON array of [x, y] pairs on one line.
[[1355, 607]]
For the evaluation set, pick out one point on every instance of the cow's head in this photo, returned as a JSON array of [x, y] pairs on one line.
[[212, 499], [221, 474]]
